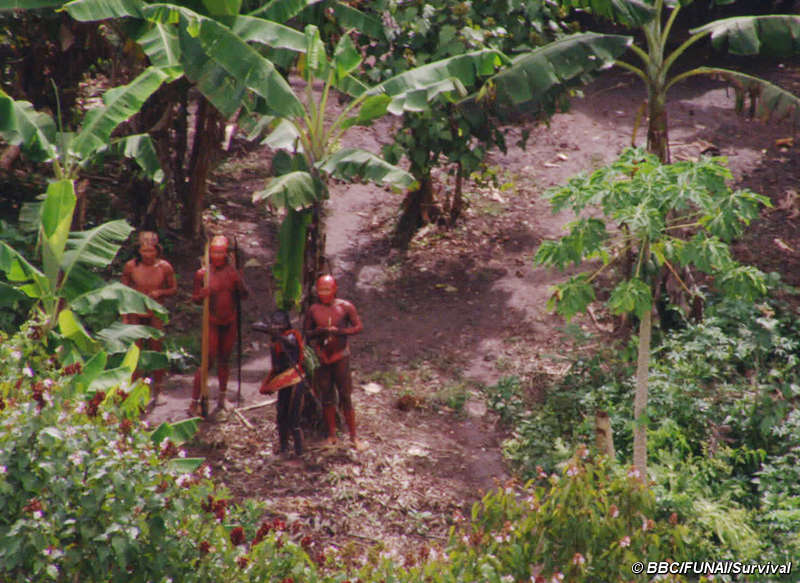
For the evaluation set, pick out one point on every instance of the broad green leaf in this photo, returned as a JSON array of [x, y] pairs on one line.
[[466, 69], [8, 5], [540, 75], [71, 328], [772, 102], [151, 360], [315, 60], [218, 8], [9, 296], [285, 136], [295, 190], [140, 149], [109, 379], [91, 10], [120, 104], [268, 33], [346, 57], [288, 268], [96, 247], [56, 219], [160, 433], [186, 465], [161, 44], [131, 360], [631, 13], [90, 371], [183, 431], [631, 296], [19, 270], [222, 64], [348, 17], [21, 125], [374, 107], [707, 253], [350, 163], [118, 336], [281, 10], [128, 300], [774, 34]]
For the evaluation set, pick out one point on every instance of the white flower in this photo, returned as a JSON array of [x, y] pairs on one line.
[[182, 479], [182, 453], [625, 541], [16, 355], [27, 372], [634, 473], [206, 472], [81, 408], [147, 380], [106, 416], [572, 471], [507, 579], [578, 559], [3, 470], [48, 383], [76, 458], [37, 514]]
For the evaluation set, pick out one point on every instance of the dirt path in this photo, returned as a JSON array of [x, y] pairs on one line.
[[459, 309]]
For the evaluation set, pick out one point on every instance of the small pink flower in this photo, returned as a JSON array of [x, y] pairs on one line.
[[625, 541], [613, 511], [578, 559], [572, 471]]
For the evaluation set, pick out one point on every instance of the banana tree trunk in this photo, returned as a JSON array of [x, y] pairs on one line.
[[640, 397], [657, 137], [206, 143], [315, 261]]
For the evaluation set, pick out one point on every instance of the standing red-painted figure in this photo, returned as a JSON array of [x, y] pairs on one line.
[[153, 276], [327, 325], [224, 282]]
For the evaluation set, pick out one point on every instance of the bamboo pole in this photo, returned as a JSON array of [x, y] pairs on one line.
[[205, 340]]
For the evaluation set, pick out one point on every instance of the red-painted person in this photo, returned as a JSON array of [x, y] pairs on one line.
[[224, 282], [153, 276], [327, 325]]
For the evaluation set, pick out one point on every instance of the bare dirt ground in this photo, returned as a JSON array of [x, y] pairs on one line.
[[460, 309]]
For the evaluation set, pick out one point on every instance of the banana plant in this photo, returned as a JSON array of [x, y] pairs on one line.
[[773, 35], [311, 142]]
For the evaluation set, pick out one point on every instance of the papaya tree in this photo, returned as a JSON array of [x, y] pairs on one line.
[[665, 216], [769, 35]]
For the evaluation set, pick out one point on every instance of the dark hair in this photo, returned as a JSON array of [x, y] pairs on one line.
[[280, 318]]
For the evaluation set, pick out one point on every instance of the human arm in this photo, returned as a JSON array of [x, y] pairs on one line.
[[199, 290], [169, 285], [352, 317]]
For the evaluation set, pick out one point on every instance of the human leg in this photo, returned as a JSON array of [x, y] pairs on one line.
[[324, 379], [194, 407], [344, 385], [227, 336]]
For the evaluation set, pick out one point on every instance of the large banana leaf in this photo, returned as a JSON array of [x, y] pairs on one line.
[[350, 163], [127, 300], [8, 5], [161, 44], [20, 270], [9, 295], [118, 336], [282, 10], [631, 13], [96, 247], [351, 18], [120, 104], [466, 68], [271, 34], [285, 136], [55, 220], [295, 190], [72, 329], [221, 63], [774, 35], [771, 101], [140, 148], [288, 268], [90, 10], [537, 76], [21, 125]]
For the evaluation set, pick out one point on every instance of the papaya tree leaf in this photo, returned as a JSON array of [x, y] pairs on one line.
[[631, 296], [572, 296], [744, 281]]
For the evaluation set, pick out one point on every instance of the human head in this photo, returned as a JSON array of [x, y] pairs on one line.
[[149, 249], [326, 289], [218, 251], [279, 321]]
